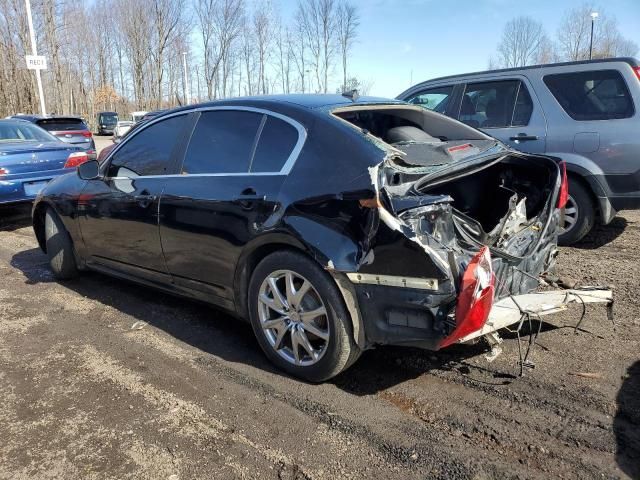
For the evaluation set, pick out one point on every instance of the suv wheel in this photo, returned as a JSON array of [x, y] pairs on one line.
[[299, 317], [579, 214]]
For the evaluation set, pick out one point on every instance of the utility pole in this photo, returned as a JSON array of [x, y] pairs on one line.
[[43, 110], [187, 92], [594, 15]]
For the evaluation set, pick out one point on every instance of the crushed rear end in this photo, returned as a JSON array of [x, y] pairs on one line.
[[459, 231]]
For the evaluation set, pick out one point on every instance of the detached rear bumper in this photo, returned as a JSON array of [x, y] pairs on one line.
[[510, 310]]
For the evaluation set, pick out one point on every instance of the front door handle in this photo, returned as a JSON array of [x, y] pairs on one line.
[[523, 137], [144, 199]]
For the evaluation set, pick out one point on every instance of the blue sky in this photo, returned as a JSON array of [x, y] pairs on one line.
[[421, 39]]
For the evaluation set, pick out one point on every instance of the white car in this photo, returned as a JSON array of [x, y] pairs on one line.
[[122, 127]]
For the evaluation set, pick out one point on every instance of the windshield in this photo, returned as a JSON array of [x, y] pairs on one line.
[[23, 132], [108, 118], [62, 124]]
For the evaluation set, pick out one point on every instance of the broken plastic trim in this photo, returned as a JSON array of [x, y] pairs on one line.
[[509, 310], [394, 281]]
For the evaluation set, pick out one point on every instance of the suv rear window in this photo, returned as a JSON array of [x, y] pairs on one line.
[[593, 95], [58, 124]]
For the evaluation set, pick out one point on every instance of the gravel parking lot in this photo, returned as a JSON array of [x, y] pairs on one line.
[[103, 379]]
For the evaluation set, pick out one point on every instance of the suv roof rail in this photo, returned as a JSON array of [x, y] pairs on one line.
[[630, 60]]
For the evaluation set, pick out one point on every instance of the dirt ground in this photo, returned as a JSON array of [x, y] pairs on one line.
[[103, 379]]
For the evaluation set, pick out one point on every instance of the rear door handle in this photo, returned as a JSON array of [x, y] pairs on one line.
[[144, 199], [249, 194], [523, 137]]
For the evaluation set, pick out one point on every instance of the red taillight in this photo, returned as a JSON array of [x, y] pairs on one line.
[[637, 70], [75, 159], [475, 299], [563, 195], [3, 172], [86, 134]]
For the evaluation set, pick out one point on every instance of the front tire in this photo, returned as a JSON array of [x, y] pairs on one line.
[[59, 247], [580, 214], [299, 317]]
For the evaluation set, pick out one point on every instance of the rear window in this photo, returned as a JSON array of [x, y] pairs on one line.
[[60, 124], [276, 143], [593, 95], [222, 142], [23, 132]]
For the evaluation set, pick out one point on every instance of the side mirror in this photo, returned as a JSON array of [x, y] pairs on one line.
[[89, 170], [117, 140]]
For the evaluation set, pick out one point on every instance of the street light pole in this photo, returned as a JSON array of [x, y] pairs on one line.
[[187, 93], [594, 15], [43, 110]]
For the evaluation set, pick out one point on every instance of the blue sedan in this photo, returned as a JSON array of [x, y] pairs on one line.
[[29, 158]]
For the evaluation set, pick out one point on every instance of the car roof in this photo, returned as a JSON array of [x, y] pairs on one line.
[[35, 118], [630, 60], [309, 101]]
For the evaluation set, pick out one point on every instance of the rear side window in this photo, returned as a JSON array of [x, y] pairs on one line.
[[277, 141], [499, 104], [435, 99], [62, 124], [222, 142], [594, 95], [149, 152]]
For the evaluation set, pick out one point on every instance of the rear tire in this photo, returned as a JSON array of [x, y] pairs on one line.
[[333, 348], [59, 247], [580, 214]]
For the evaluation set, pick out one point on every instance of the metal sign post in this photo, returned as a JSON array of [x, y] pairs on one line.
[[34, 62]]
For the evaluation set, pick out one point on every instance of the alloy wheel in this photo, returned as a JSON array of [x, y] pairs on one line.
[[570, 215], [293, 317]]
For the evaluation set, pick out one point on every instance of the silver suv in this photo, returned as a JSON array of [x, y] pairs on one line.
[[585, 113]]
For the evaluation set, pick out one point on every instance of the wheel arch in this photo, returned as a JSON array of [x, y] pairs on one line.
[[255, 252]]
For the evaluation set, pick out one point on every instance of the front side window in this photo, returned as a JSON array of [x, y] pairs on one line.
[[496, 104], [435, 99], [222, 142], [593, 95], [149, 152]]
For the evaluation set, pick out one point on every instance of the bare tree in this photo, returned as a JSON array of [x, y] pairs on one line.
[[262, 23], [521, 41], [574, 35], [347, 21]]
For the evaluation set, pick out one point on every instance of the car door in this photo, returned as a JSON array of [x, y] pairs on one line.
[[233, 168], [118, 214], [506, 110]]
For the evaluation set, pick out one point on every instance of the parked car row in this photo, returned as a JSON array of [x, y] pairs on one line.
[[335, 223]]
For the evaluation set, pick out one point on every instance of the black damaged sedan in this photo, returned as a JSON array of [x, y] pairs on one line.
[[333, 224]]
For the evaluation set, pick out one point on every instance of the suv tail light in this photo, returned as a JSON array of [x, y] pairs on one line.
[[75, 159], [475, 298], [3, 172], [87, 134], [637, 70], [563, 196]]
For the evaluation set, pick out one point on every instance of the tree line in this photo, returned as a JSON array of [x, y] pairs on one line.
[[525, 41], [128, 54]]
